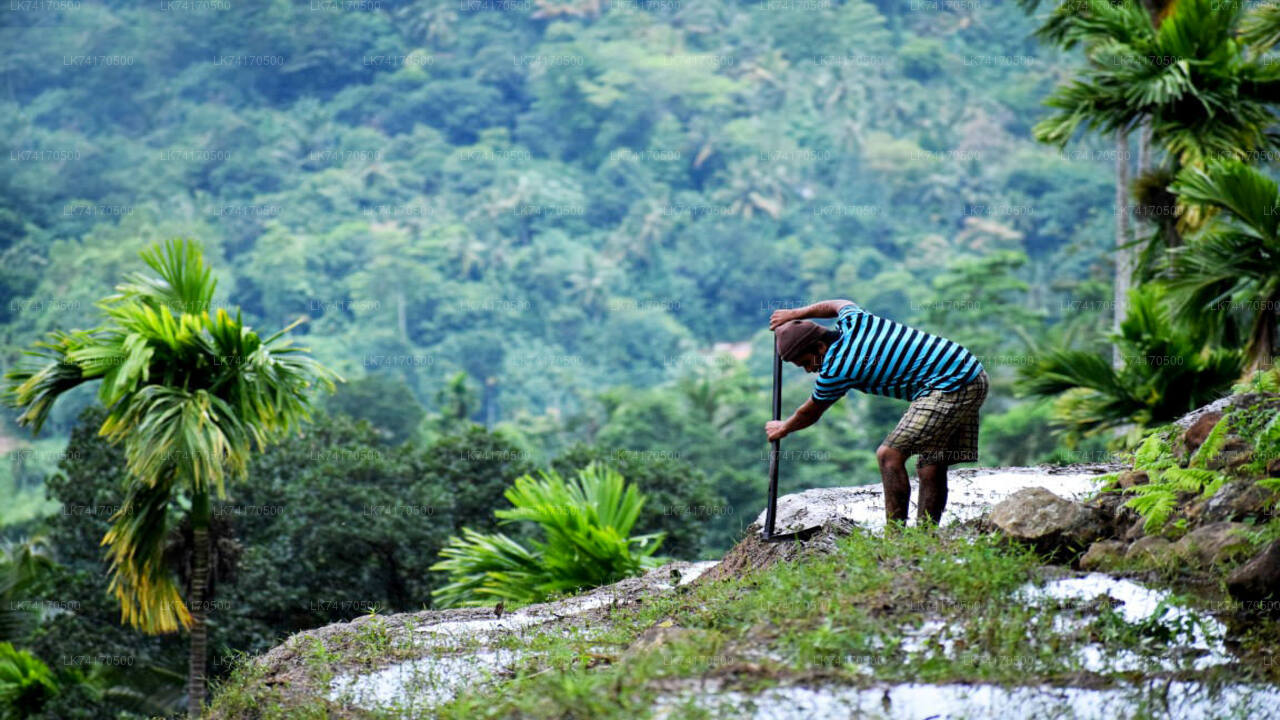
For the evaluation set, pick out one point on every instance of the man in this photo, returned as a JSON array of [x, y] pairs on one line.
[[944, 382]]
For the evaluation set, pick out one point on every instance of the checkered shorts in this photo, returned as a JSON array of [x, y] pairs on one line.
[[942, 427]]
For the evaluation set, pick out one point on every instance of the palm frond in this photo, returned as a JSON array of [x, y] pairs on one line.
[[1261, 27], [184, 285], [484, 568], [586, 522], [36, 388], [140, 580]]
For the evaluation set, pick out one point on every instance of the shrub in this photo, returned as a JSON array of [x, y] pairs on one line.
[[586, 523]]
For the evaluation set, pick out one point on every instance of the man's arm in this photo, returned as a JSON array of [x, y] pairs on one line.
[[804, 416], [822, 309]]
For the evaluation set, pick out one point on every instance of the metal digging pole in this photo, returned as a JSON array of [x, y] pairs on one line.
[[774, 448]]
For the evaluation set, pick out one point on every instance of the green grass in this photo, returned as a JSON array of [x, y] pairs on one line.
[[845, 619], [826, 619]]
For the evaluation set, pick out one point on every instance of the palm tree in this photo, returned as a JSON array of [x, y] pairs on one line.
[[189, 393], [586, 523], [1167, 372], [24, 565], [1206, 94], [1228, 277], [1175, 69]]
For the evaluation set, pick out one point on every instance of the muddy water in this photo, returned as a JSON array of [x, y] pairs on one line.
[[419, 684], [438, 676], [1156, 699]]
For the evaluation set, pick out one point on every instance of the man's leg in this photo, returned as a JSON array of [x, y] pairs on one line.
[[933, 493], [897, 487]]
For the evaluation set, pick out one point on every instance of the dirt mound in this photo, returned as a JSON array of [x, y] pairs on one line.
[[753, 553]]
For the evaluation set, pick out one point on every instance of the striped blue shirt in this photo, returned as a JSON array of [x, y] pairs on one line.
[[882, 357]]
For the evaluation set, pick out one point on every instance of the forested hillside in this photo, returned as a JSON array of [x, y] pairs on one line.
[[572, 204], [330, 308]]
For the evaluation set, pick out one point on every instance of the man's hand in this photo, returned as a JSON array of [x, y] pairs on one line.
[[781, 317], [775, 429], [804, 416], [823, 309]]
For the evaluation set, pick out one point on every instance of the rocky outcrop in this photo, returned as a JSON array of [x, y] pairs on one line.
[[1213, 543], [1054, 526], [1195, 435], [1235, 501], [1258, 579]]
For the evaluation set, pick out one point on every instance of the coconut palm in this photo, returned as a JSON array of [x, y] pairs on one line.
[[1227, 279], [189, 393]]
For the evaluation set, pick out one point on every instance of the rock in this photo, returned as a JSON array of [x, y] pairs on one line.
[[1194, 436], [1259, 578], [1102, 554], [1213, 543], [1148, 549], [1234, 453], [1219, 406], [1130, 478], [1193, 511], [1052, 525], [1236, 501], [1124, 517], [1273, 467], [1136, 530]]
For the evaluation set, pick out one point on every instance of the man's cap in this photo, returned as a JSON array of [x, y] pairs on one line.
[[795, 336]]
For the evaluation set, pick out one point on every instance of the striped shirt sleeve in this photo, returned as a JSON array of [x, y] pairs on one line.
[[831, 386]]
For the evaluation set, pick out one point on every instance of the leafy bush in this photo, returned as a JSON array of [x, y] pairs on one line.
[[586, 522], [26, 683], [680, 501], [1167, 371]]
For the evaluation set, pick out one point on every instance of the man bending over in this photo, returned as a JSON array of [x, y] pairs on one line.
[[944, 382]]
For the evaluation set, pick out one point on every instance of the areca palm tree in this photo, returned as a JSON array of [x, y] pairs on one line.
[[1206, 93], [1179, 71], [1227, 278], [189, 393]]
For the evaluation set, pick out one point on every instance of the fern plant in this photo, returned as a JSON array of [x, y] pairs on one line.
[[586, 522], [1156, 500]]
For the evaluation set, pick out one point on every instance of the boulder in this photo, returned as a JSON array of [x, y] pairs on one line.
[[1259, 578], [1213, 543], [1102, 554], [1220, 406], [1131, 478], [1236, 501], [1136, 530], [1052, 525], [1150, 549], [1195, 435]]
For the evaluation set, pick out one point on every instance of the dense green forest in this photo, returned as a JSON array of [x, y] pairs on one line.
[[545, 235], [575, 206]]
